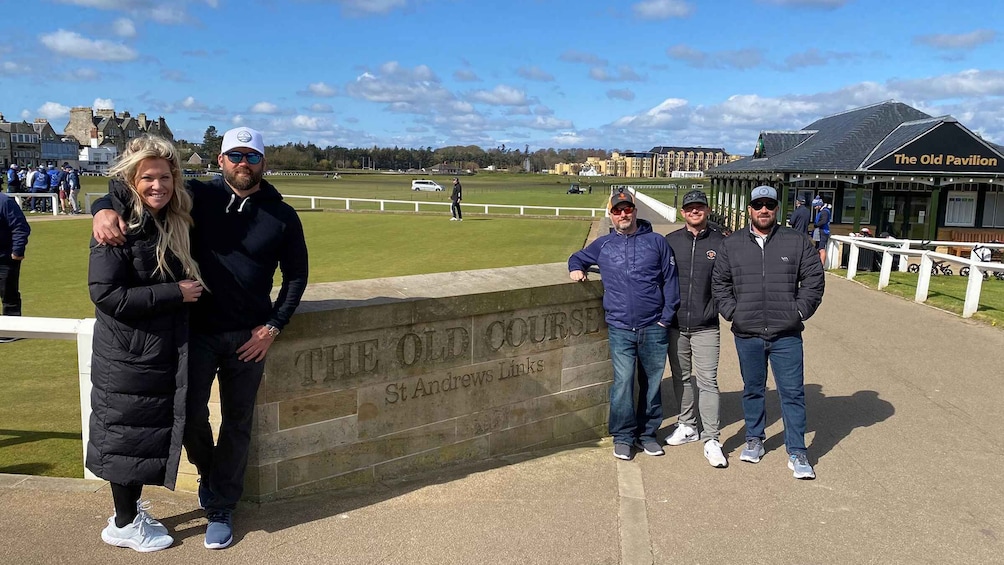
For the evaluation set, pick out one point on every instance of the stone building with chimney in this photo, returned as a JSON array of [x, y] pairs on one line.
[[92, 129]]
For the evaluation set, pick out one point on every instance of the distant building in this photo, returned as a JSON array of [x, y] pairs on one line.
[[888, 166], [106, 126], [661, 161], [56, 149], [691, 159], [19, 143]]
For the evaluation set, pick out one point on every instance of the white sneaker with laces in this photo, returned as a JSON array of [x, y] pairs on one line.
[[138, 536], [713, 453], [683, 434]]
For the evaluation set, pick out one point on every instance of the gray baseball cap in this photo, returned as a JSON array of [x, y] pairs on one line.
[[767, 192]]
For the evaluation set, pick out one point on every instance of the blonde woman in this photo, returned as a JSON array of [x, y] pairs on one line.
[[139, 371]]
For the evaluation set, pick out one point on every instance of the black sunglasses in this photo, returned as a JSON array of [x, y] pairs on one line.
[[758, 204], [236, 156]]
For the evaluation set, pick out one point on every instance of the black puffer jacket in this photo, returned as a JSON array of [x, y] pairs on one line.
[[139, 369], [695, 259], [767, 293]]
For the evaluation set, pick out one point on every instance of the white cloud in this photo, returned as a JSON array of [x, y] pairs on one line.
[[103, 104], [321, 108], [624, 73], [309, 123], [264, 108], [465, 75], [321, 89], [573, 56], [621, 94], [124, 27], [11, 68], [535, 73], [415, 89], [85, 74], [814, 58], [367, 7], [959, 41], [662, 9], [193, 105], [734, 59], [53, 110], [501, 95], [72, 44]]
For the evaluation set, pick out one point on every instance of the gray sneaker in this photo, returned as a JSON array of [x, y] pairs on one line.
[[753, 451], [623, 451], [650, 447], [799, 464]]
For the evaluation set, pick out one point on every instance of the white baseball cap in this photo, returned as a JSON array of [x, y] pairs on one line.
[[243, 137]]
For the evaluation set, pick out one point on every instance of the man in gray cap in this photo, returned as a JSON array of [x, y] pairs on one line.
[[767, 280]]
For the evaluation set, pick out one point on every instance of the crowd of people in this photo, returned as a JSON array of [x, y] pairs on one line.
[[662, 298], [62, 181]]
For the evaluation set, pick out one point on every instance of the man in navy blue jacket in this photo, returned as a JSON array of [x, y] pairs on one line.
[[640, 297], [14, 232]]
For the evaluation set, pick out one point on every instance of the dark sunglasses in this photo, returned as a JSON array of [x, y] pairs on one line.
[[758, 204], [622, 210], [236, 156]]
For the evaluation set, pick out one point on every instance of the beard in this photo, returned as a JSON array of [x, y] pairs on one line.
[[764, 224], [246, 180]]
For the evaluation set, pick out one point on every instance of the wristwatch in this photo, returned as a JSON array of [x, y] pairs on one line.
[[272, 330]]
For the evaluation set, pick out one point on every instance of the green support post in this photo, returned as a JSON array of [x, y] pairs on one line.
[[931, 228]]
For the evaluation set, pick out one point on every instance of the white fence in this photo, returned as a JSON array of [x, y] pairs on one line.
[[665, 210], [905, 248], [416, 205], [19, 196], [62, 328]]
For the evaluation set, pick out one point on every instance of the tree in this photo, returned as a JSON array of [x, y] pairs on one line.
[[211, 143]]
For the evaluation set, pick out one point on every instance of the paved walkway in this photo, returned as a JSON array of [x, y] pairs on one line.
[[904, 405]]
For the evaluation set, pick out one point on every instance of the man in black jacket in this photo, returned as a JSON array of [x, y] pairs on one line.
[[694, 337], [800, 218], [767, 280], [242, 232], [14, 231], [455, 197]]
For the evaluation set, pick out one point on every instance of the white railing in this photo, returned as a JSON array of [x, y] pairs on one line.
[[466, 205], [17, 196], [664, 210], [890, 247], [82, 331], [416, 204]]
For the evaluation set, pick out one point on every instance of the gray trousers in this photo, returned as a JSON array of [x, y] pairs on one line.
[[693, 360]]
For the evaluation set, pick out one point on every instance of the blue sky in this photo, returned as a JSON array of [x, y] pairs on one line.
[[623, 75]]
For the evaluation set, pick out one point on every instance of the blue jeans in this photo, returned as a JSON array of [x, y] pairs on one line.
[[646, 349], [785, 355]]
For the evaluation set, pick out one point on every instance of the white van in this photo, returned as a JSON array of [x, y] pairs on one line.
[[426, 185]]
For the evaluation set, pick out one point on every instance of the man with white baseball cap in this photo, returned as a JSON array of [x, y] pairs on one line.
[[242, 232]]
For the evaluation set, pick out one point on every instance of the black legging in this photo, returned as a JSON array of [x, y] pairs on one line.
[[455, 210], [125, 498]]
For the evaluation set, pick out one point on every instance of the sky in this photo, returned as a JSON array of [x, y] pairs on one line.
[[617, 74]]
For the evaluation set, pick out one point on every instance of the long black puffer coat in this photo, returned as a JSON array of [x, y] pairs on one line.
[[139, 368]]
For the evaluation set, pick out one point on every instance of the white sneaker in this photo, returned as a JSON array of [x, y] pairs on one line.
[[138, 535], [713, 453], [683, 434], [453, 219]]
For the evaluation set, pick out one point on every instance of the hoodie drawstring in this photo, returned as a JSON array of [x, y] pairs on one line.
[[232, 198], [231, 203]]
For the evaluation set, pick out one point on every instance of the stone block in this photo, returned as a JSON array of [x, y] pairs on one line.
[[475, 449], [495, 419], [573, 400], [521, 438], [387, 408], [588, 418], [351, 479], [585, 375], [342, 459], [303, 440], [266, 418], [315, 408], [259, 481], [585, 354]]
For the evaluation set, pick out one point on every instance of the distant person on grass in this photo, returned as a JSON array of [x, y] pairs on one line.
[[640, 298], [242, 232], [455, 197], [139, 369]]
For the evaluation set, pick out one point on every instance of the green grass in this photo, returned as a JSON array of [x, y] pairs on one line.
[[39, 410], [945, 292]]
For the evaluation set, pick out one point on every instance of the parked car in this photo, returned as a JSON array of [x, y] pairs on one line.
[[426, 185]]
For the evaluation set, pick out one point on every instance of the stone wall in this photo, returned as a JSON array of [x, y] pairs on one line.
[[385, 378]]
